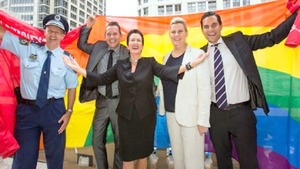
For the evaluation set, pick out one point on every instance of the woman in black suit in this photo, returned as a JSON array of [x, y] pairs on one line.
[[136, 109]]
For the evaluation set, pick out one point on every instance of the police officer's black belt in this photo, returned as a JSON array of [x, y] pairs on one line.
[[32, 102]]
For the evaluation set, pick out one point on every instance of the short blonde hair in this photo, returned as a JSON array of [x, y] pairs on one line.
[[177, 20]]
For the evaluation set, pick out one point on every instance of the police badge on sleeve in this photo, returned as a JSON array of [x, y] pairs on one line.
[[23, 42]]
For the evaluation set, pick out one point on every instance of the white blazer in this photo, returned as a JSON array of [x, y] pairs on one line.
[[193, 98]]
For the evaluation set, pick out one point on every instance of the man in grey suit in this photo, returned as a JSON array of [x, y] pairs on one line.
[[237, 88], [103, 54]]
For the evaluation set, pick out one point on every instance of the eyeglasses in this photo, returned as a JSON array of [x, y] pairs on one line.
[[54, 32]]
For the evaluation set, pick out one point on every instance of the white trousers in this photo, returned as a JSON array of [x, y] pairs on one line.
[[186, 143]]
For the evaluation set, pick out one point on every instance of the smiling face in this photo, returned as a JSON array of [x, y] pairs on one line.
[[54, 36], [211, 29], [135, 44], [178, 35], [112, 36]]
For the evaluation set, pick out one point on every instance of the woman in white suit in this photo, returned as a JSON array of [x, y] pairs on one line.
[[186, 103]]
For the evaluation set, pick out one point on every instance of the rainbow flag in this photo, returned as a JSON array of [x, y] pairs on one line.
[[278, 134]]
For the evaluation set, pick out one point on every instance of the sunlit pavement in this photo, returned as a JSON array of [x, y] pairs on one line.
[[159, 160]]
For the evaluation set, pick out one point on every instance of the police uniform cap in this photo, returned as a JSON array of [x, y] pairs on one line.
[[56, 20]]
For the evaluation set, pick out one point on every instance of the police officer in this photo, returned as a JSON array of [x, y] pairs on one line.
[[44, 80]]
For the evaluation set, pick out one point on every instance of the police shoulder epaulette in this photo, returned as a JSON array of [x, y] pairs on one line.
[[68, 54], [36, 43]]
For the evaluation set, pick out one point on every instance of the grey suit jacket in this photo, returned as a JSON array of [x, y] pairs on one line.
[[242, 47], [96, 52]]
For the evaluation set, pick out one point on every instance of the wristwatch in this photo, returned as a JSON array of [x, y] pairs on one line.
[[188, 66], [69, 110]]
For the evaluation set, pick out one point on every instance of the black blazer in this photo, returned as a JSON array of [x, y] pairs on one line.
[[96, 52], [242, 47], [136, 89]]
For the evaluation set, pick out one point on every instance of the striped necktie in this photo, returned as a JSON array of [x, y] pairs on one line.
[[41, 98], [220, 90]]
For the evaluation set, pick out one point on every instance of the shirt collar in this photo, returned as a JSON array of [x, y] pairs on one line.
[[116, 50], [220, 41], [55, 52]]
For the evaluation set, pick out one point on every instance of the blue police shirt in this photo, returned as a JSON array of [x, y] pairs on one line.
[[32, 57]]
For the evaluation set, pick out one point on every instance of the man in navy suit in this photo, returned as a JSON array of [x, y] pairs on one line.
[[243, 91]]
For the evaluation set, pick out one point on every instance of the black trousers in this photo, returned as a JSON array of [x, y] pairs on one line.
[[236, 126]]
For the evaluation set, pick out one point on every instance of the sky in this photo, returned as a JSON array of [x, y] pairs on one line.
[[121, 7]]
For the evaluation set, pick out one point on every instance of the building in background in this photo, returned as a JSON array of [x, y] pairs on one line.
[[178, 7], [33, 11]]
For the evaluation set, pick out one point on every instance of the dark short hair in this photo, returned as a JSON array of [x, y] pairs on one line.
[[114, 23], [132, 32], [210, 13]]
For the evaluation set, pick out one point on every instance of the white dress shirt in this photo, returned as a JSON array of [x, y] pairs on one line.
[[236, 82]]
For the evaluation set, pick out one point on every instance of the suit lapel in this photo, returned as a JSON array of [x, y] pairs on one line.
[[235, 52], [187, 55], [123, 52], [98, 53]]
